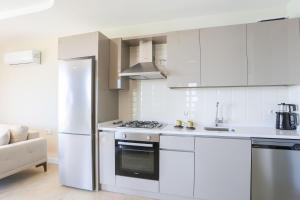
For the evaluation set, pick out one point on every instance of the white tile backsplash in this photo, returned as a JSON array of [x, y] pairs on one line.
[[294, 95], [243, 106]]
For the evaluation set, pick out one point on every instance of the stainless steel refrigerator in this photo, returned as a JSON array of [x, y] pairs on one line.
[[76, 106]]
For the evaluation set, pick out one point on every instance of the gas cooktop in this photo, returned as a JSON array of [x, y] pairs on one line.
[[141, 124]]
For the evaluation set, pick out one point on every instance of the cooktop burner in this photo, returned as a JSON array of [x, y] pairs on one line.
[[141, 124]]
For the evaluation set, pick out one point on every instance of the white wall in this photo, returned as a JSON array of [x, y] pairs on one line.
[[221, 19], [293, 8], [29, 92]]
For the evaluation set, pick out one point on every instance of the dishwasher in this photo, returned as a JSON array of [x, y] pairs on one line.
[[275, 169]]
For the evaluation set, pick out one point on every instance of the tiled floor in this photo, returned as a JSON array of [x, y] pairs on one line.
[[33, 184]]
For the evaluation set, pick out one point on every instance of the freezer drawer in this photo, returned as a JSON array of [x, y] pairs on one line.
[[275, 170], [76, 166]]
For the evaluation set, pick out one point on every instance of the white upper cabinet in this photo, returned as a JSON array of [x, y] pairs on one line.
[[257, 54], [273, 49], [224, 56], [119, 60], [78, 46], [183, 59]]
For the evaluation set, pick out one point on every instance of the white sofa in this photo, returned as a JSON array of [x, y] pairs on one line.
[[20, 149]]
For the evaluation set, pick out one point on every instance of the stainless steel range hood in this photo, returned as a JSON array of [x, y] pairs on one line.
[[146, 68]]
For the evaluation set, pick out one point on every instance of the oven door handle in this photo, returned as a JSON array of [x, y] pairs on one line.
[[135, 144], [138, 150]]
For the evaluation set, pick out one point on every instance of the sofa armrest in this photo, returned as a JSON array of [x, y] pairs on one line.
[[18, 155]]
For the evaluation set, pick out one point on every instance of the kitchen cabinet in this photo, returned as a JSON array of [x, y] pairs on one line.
[[177, 143], [223, 56], [177, 173], [96, 45], [273, 52], [82, 45], [107, 158], [119, 60], [222, 168], [183, 64], [140, 184]]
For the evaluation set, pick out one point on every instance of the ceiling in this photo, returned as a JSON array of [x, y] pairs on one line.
[[15, 8], [17, 4], [74, 16]]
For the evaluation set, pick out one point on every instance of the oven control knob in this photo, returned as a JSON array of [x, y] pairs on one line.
[[124, 135], [148, 137]]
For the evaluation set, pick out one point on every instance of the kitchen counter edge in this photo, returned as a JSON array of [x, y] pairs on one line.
[[240, 132]]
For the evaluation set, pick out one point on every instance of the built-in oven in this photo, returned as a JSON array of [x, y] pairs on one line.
[[137, 155]]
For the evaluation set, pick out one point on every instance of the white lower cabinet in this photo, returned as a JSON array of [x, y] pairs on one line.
[[138, 184], [107, 158], [222, 169], [216, 169], [177, 173]]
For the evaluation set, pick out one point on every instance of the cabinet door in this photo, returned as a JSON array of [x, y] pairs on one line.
[[273, 52], [119, 60], [222, 169], [179, 143], [183, 58], [107, 158], [223, 56], [177, 173], [78, 46]]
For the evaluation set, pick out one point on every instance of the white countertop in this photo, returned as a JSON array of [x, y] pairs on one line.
[[240, 132]]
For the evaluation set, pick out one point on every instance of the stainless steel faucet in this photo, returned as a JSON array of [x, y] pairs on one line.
[[218, 120]]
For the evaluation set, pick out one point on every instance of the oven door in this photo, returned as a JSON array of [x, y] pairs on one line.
[[137, 159]]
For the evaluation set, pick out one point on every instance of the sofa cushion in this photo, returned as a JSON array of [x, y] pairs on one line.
[[4, 136], [18, 133], [32, 135]]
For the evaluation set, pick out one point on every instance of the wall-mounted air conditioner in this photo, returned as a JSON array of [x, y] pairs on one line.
[[23, 57]]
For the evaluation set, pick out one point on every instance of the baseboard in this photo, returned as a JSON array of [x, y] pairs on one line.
[[53, 160]]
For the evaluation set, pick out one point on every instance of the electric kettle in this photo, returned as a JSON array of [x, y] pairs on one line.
[[286, 118]]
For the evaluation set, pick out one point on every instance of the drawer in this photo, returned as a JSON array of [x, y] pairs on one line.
[[137, 184], [177, 143]]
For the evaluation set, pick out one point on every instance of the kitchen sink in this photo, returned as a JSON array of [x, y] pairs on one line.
[[218, 129]]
